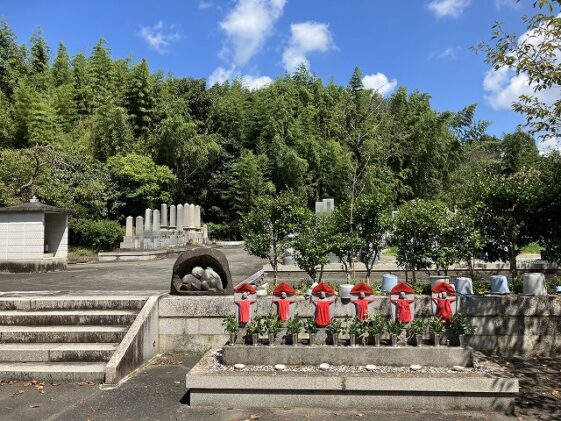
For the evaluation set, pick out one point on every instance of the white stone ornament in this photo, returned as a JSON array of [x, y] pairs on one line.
[[324, 366], [239, 366]]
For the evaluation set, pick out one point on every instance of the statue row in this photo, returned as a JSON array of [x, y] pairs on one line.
[[322, 297]]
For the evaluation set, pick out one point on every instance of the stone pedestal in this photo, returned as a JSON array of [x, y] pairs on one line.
[[172, 217]]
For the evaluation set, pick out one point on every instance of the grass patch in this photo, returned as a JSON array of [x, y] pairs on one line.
[[390, 251], [81, 255], [532, 248]]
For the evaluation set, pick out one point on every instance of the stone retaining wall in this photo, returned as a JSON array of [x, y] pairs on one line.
[[509, 325]]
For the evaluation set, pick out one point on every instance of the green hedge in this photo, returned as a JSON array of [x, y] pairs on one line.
[[98, 235]]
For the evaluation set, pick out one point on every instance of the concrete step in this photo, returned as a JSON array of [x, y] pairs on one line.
[[53, 371], [56, 352], [73, 302], [56, 334], [67, 317]]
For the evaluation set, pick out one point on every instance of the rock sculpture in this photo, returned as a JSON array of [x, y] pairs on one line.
[[362, 301], [201, 271]]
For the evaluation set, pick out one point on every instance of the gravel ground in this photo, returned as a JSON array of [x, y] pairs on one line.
[[213, 362]]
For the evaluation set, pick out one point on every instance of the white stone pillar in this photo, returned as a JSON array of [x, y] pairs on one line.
[[205, 234], [192, 215], [164, 215], [172, 215], [128, 226], [179, 219], [148, 221], [156, 222], [139, 226], [187, 220], [197, 217]]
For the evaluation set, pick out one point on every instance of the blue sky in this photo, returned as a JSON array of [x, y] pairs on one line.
[[424, 46]]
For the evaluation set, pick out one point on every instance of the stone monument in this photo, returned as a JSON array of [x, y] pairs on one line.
[[201, 271]]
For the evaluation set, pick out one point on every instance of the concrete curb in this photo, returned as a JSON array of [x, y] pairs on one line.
[[139, 344]]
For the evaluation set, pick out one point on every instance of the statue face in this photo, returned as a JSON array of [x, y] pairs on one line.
[[361, 295], [283, 294], [402, 295], [444, 295], [322, 295], [244, 296]]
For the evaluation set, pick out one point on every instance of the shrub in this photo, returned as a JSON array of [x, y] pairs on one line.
[[99, 235]]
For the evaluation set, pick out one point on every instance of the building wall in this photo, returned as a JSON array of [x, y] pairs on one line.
[[21, 236], [56, 234], [508, 325]]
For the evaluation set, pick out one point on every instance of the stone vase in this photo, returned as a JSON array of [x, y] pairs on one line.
[[232, 340], [352, 339], [254, 339], [394, 339], [462, 339], [271, 339], [437, 339], [294, 338], [335, 339], [419, 340], [312, 339], [377, 339]]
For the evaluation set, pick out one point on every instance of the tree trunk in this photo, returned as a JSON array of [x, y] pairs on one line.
[[512, 252]]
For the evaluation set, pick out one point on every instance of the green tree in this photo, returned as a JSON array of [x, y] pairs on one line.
[[313, 244], [137, 183], [266, 227], [83, 90], [39, 60], [139, 99], [62, 75]]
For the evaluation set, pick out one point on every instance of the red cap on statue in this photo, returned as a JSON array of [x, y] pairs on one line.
[[245, 287], [444, 287], [284, 287], [361, 287], [323, 287], [402, 287]]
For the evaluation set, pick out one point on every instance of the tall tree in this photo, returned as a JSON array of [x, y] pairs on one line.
[[62, 75], [140, 99]]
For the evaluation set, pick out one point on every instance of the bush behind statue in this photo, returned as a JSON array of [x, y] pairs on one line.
[[99, 235]]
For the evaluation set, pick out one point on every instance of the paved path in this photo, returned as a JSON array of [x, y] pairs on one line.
[[158, 393], [151, 276]]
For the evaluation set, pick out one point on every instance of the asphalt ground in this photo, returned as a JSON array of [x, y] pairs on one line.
[[157, 392], [146, 276]]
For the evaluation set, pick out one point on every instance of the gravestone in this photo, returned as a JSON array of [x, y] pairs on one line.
[[197, 271], [179, 219], [164, 215]]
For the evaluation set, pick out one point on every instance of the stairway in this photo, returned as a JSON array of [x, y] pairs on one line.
[[62, 337]]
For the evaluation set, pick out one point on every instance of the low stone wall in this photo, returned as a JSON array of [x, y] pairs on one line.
[[509, 325]]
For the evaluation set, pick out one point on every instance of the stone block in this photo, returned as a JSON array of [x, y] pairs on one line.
[[179, 326]]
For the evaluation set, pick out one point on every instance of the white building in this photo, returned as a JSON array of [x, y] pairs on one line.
[[33, 237]]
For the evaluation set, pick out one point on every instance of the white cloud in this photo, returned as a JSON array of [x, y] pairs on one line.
[[513, 4], [255, 82], [247, 26], [549, 144], [504, 86], [205, 5], [221, 75], [448, 53], [379, 82], [306, 37], [452, 8], [159, 36]]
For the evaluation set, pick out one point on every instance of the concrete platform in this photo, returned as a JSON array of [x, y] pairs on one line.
[[359, 390], [345, 355]]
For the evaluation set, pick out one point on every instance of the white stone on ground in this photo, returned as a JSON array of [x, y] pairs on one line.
[[239, 366], [458, 368], [370, 367], [324, 366], [415, 367], [280, 367]]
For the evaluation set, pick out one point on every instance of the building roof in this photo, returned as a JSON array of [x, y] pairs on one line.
[[34, 206]]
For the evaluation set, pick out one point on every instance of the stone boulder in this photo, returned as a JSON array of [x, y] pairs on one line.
[[185, 281]]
